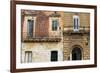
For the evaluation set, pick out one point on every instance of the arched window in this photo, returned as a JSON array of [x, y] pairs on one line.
[[76, 54]]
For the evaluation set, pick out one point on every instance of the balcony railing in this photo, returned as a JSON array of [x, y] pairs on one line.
[[81, 29], [41, 37]]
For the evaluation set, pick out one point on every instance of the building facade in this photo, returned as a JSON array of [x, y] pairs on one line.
[[48, 36], [77, 35], [41, 36]]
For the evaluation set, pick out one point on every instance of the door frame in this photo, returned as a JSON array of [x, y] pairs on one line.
[[78, 46]]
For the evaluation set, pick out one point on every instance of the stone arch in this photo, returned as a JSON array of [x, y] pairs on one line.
[[77, 52]]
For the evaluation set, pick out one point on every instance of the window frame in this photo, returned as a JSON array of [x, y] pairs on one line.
[[29, 59], [52, 53], [28, 28], [76, 23], [55, 24], [50, 23], [33, 18]]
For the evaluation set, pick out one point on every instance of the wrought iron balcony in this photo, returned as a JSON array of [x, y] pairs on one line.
[[53, 36], [81, 30]]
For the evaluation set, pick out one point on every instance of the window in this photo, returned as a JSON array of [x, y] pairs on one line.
[[76, 22], [54, 25], [30, 24], [54, 56], [28, 56]]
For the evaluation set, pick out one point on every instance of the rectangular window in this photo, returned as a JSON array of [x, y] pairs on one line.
[[54, 56], [76, 23], [54, 25], [30, 24], [28, 56]]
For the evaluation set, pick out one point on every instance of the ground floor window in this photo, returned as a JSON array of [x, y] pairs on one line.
[[28, 56], [54, 55]]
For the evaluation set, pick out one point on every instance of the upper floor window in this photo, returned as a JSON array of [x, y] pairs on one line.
[[30, 27], [76, 22], [54, 25], [28, 56]]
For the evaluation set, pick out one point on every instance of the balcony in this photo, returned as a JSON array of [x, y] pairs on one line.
[[34, 37], [81, 30]]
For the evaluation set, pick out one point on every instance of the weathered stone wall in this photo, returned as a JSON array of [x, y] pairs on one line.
[[41, 52], [75, 40]]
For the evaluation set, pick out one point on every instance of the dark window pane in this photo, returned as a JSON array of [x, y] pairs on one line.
[[54, 25], [30, 28], [54, 56], [76, 24]]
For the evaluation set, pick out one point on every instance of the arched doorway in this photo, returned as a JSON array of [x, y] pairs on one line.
[[76, 54]]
